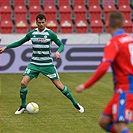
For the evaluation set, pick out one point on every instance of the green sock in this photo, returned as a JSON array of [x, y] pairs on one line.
[[68, 94], [23, 93]]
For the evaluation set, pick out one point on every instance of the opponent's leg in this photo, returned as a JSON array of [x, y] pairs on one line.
[[68, 94], [23, 93], [121, 127], [106, 123]]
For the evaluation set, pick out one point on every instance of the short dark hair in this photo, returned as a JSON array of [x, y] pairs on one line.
[[116, 19], [40, 16]]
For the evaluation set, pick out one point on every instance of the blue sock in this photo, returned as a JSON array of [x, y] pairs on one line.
[[110, 128], [125, 131]]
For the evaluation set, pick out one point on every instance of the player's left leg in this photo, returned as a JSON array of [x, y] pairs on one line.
[[68, 94], [52, 74]]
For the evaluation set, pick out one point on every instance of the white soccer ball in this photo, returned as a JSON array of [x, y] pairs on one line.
[[32, 108]]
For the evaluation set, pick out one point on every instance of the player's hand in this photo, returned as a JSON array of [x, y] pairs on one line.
[[2, 49], [80, 88], [57, 55]]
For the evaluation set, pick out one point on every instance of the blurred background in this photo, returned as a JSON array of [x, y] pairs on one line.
[[63, 16], [82, 26]]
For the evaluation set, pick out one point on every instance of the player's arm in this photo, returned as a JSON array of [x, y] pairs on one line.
[[59, 43], [101, 70], [110, 52], [15, 44]]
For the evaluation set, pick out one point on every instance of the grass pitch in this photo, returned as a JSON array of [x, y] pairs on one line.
[[56, 114]]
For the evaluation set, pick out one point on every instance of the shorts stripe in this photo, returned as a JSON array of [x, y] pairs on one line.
[[122, 102]]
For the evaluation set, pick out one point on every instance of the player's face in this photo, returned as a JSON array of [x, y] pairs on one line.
[[41, 24]]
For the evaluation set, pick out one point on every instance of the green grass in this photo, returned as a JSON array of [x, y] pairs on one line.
[[56, 114]]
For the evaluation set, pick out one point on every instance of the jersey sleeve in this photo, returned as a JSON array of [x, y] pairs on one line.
[[110, 51], [57, 41], [101, 70], [20, 42]]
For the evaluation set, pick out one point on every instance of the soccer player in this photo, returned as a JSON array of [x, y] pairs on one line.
[[118, 53], [41, 61]]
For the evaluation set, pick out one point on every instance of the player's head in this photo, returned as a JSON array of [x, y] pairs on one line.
[[115, 21], [41, 21]]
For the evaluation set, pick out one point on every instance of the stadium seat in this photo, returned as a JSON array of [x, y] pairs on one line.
[[34, 2], [6, 26], [107, 26], [21, 26], [107, 9], [52, 25], [95, 12], [96, 26], [81, 26], [49, 3], [108, 3], [66, 26], [18, 3], [126, 10], [78, 3], [63, 3], [20, 12], [122, 2], [93, 2], [5, 12], [65, 12], [34, 11], [5, 3], [80, 12], [33, 24], [128, 26], [50, 12]]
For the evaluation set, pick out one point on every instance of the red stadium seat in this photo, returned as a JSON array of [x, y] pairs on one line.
[[96, 26], [128, 26], [34, 11], [33, 24], [78, 3], [93, 2], [5, 3], [107, 10], [6, 26], [19, 3], [123, 2], [5, 12], [50, 12], [107, 26], [52, 24], [81, 26], [20, 12], [21, 26], [108, 3], [63, 3], [126, 10], [48, 3], [34, 3], [65, 12], [95, 12], [80, 12], [66, 26]]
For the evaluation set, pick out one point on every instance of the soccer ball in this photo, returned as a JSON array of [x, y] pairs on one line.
[[32, 108]]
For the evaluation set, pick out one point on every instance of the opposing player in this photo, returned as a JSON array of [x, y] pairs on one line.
[[41, 61], [118, 53]]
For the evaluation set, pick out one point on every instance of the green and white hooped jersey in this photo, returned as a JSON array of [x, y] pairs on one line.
[[41, 41]]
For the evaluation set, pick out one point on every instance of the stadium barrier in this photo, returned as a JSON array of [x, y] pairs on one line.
[[75, 58]]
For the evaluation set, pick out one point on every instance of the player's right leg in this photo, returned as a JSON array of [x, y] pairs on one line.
[[23, 93], [30, 72]]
